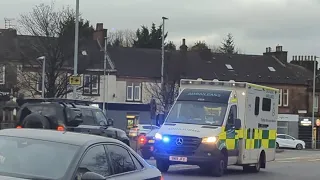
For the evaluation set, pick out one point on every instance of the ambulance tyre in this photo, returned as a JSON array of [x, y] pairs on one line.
[[221, 165], [162, 165], [256, 167]]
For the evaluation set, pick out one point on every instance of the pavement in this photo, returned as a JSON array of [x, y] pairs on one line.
[[289, 165]]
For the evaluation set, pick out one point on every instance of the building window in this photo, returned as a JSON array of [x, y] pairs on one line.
[[39, 85], [280, 97], [133, 91], [2, 74], [283, 127], [91, 84], [19, 68], [285, 96], [316, 103]]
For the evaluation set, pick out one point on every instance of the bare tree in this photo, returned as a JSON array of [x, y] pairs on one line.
[[50, 33], [121, 38], [165, 95]]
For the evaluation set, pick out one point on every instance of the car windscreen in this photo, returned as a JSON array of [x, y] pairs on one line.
[[30, 158], [197, 112]]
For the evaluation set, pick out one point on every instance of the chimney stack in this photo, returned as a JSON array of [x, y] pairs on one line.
[[183, 47], [99, 27], [99, 34]]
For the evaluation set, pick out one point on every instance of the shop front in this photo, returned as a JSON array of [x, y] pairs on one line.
[[288, 124]]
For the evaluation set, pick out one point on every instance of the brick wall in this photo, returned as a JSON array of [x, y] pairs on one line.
[[298, 98]]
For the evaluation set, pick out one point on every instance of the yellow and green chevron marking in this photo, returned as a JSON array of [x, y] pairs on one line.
[[261, 138], [229, 138]]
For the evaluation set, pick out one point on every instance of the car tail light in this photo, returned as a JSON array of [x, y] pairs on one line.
[[142, 139], [19, 127], [161, 178], [60, 128]]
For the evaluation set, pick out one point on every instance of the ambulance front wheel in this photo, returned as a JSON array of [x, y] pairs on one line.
[[162, 165]]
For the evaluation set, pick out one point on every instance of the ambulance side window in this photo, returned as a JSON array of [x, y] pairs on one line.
[[232, 115], [257, 106]]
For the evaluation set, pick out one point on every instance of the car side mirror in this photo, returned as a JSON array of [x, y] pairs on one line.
[[237, 124], [110, 122], [91, 176]]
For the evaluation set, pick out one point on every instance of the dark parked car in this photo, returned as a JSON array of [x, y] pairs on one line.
[[147, 144], [67, 115], [54, 155]]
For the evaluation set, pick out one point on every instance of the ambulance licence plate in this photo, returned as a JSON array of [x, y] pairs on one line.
[[179, 159]]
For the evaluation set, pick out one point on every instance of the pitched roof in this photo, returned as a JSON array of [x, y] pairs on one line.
[[146, 63], [250, 68]]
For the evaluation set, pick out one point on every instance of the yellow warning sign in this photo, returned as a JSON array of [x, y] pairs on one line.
[[75, 80]]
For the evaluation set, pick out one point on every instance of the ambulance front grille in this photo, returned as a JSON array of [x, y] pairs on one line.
[[188, 146]]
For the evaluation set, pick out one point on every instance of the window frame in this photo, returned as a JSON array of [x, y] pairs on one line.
[[39, 83], [134, 86], [280, 98], [287, 97], [316, 102], [90, 90], [132, 156], [3, 75], [85, 153]]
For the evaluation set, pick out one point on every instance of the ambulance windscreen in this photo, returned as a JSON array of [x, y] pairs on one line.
[[197, 112]]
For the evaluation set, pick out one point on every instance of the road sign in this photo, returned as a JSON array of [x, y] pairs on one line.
[[75, 80]]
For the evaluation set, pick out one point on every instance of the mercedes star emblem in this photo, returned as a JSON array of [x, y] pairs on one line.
[[179, 141]]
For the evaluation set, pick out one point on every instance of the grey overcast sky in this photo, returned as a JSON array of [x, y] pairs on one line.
[[255, 24]]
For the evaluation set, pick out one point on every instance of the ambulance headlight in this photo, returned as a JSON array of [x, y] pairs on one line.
[[209, 140], [158, 136]]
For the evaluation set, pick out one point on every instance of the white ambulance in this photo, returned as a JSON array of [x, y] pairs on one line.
[[214, 124]]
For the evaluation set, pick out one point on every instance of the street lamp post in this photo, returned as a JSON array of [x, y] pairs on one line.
[[104, 73], [313, 100], [76, 44], [43, 76], [162, 52]]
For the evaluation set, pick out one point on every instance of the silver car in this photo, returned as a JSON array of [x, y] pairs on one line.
[[141, 129], [60, 155]]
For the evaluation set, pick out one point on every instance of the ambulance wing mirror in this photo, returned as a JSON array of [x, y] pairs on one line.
[[237, 124]]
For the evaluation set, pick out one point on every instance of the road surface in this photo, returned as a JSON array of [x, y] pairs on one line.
[[289, 165]]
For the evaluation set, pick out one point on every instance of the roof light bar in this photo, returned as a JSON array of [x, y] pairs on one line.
[[215, 82]]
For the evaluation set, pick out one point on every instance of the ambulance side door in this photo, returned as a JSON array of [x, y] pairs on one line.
[[251, 125]]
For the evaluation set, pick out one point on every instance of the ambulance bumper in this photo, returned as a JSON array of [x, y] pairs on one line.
[[204, 154]]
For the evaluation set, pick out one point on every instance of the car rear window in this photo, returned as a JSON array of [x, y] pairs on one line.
[[34, 158]]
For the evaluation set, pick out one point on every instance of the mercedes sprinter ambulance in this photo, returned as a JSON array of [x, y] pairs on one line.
[[214, 124]]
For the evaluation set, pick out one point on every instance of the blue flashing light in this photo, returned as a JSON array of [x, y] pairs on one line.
[[166, 139]]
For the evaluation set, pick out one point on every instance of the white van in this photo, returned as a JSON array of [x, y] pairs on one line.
[[214, 124]]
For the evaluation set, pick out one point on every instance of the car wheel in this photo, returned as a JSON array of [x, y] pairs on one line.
[[277, 146], [162, 165], [299, 147]]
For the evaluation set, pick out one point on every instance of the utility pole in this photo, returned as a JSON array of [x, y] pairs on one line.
[[104, 72], [76, 46], [162, 53], [313, 100]]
